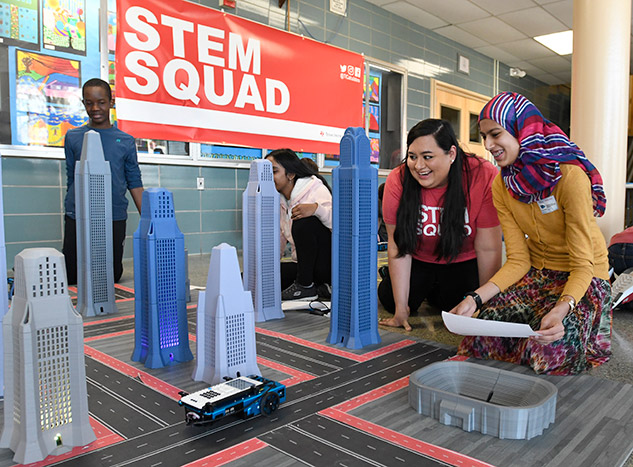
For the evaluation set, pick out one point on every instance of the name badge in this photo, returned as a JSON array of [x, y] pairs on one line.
[[547, 205]]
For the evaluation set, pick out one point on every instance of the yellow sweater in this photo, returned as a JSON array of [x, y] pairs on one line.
[[567, 239]]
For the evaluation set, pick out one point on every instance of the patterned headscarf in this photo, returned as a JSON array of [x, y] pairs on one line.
[[543, 147]]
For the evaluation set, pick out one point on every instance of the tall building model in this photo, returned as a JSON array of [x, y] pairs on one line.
[[161, 335], [260, 241], [93, 201], [225, 332], [354, 322], [4, 295], [46, 403]]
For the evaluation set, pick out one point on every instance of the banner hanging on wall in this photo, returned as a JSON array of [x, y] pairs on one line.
[[186, 72]]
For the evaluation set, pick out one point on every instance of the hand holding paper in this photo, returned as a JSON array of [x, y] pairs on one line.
[[466, 326]]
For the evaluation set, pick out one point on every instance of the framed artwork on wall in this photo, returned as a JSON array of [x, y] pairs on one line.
[[47, 99], [64, 25], [20, 23]]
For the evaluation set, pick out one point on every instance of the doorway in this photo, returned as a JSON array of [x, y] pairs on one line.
[[460, 107]]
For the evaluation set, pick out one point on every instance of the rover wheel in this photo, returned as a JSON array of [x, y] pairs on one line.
[[269, 403]]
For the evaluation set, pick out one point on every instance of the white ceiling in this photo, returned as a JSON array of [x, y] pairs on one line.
[[501, 29]]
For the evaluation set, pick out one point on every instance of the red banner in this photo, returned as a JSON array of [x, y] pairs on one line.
[[186, 72]]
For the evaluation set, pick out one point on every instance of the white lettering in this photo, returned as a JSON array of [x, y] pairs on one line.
[[251, 54], [273, 85], [133, 64], [209, 86], [205, 44], [133, 17], [179, 27], [430, 230], [182, 91], [249, 94]]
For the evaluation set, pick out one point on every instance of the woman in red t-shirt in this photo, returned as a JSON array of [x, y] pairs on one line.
[[437, 189]]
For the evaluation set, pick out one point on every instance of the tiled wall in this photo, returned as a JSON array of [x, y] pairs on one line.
[[34, 188]]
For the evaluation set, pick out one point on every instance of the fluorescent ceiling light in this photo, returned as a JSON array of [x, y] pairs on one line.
[[560, 42]]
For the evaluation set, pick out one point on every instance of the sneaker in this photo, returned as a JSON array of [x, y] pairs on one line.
[[325, 291], [300, 292]]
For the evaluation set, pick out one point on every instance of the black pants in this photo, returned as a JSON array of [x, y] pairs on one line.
[[313, 244], [70, 248], [443, 285], [621, 257]]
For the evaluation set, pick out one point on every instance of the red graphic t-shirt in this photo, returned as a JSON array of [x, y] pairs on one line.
[[480, 211]]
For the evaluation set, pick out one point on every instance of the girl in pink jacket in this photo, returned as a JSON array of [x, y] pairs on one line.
[[306, 223]]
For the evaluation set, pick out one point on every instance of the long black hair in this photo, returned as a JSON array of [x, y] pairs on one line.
[[452, 222], [289, 160]]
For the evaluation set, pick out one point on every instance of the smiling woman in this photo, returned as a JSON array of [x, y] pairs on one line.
[[443, 233]]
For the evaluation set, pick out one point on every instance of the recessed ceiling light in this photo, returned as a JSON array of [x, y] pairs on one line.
[[560, 42]]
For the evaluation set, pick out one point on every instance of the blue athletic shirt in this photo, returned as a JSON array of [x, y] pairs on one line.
[[119, 149]]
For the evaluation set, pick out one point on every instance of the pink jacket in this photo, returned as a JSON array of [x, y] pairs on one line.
[[307, 190]]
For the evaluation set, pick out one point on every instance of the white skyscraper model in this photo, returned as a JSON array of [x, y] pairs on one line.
[[93, 201], [46, 403], [225, 332], [4, 295], [260, 240]]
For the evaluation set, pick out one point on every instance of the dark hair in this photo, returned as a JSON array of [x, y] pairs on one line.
[[310, 163], [96, 82], [452, 219], [289, 160]]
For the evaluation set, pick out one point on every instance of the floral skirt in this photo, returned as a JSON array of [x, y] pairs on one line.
[[587, 340]]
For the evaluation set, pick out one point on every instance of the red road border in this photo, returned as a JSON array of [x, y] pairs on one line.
[[336, 350], [230, 454], [105, 437]]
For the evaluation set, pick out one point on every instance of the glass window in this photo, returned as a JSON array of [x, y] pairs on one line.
[[474, 136]]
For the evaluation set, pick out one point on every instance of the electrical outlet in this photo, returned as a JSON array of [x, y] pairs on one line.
[[200, 183]]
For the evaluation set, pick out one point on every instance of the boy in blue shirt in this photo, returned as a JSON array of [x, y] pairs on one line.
[[119, 149]]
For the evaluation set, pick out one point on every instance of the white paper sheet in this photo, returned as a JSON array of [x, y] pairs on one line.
[[466, 326], [289, 305]]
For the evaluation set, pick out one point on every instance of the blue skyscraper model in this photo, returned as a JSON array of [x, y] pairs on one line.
[[354, 322], [93, 201], [260, 241], [161, 335]]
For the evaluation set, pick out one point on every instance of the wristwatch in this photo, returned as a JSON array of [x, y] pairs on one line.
[[569, 300], [477, 299]]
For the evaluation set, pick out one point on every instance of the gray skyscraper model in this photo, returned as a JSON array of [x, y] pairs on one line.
[[161, 334], [354, 321], [225, 333], [4, 295], [260, 240], [93, 201], [46, 403]]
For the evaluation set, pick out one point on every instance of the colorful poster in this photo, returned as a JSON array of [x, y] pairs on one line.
[[374, 88], [20, 22], [374, 143], [191, 73], [48, 99], [64, 25], [111, 31]]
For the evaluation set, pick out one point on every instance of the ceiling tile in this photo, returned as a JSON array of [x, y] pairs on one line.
[[544, 2], [494, 52], [493, 30], [452, 11], [526, 49], [381, 3], [460, 36], [553, 64], [563, 11], [495, 7], [533, 22], [412, 13]]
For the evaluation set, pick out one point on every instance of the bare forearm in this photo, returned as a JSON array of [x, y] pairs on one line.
[[137, 197]]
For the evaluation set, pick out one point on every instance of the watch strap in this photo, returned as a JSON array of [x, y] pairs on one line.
[[477, 299]]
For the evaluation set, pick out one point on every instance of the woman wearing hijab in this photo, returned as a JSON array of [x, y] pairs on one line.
[[556, 275]]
